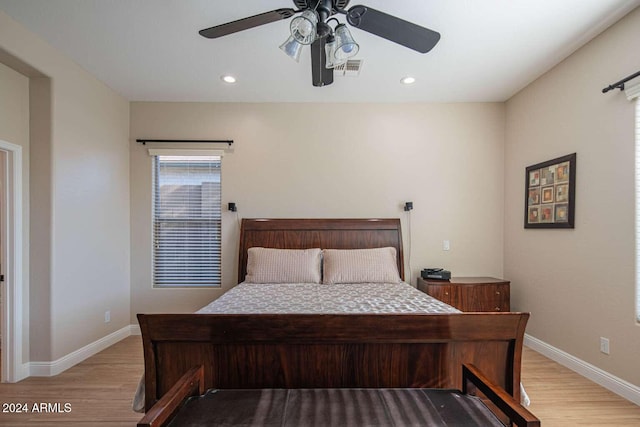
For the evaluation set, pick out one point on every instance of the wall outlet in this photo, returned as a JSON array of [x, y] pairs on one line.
[[604, 345], [446, 245], [107, 316]]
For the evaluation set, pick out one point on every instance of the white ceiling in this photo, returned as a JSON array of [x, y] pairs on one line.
[[150, 50]]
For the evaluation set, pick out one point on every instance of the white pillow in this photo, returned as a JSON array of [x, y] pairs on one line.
[[268, 265], [377, 265]]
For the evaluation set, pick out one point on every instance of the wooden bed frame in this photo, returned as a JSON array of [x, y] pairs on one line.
[[329, 350]]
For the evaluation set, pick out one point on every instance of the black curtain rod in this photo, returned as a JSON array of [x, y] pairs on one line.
[[198, 141], [620, 84]]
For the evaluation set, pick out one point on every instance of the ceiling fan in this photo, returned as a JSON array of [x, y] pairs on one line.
[[331, 46]]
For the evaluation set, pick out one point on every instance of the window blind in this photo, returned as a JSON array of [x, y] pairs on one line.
[[186, 221]]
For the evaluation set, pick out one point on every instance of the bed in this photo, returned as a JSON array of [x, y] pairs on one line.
[[329, 350]]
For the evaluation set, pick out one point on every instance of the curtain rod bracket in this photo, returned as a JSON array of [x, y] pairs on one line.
[[189, 141], [620, 84], [611, 87]]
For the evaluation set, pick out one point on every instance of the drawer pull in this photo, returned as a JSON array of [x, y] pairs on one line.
[[446, 293], [497, 308], [497, 292]]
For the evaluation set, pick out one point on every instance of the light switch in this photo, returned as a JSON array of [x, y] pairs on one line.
[[446, 245]]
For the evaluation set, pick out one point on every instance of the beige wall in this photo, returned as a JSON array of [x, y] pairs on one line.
[[88, 201], [579, 284], [336, 160], [14, 107], [40, 212]]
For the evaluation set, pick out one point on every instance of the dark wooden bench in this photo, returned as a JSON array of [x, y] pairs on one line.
[[187, 405]]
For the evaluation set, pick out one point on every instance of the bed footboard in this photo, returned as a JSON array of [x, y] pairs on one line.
[[331, 351]]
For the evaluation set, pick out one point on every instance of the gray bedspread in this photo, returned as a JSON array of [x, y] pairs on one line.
[[309, 298]]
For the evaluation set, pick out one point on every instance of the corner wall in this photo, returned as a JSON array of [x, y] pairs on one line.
[[579, 284]]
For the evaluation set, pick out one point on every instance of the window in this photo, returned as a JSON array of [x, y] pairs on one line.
[[186, 221]]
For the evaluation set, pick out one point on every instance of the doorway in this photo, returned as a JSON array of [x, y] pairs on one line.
[[12, 367], [3, 206], [3, 215]]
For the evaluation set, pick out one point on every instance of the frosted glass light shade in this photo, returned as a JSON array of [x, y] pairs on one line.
[[329, 48], [303, 27], [292, 48], [346, 46]]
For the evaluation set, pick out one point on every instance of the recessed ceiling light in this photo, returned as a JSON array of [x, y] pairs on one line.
[[227, 78], [407, 80]]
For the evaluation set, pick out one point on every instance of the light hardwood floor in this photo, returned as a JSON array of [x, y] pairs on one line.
[[99, 391], [103, 385], [560, 397]]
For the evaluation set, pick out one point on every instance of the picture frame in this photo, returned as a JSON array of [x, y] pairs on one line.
[[550, 193]]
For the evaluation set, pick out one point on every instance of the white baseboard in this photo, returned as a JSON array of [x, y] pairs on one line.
[[48, 369], [605, 379], [22, 372], [135, 330]]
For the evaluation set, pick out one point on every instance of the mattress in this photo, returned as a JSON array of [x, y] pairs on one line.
[[309, 298]]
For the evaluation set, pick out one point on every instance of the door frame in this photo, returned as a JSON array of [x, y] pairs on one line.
[[13, 367]]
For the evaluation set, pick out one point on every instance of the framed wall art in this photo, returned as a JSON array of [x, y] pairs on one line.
[[550, 193]]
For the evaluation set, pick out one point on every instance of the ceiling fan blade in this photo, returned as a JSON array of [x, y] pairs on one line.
[[320, 74], [246, 23], [392, 28]]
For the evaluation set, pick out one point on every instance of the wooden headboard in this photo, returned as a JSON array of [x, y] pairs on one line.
[[319, 233]]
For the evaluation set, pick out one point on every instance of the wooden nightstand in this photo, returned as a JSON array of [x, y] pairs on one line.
[[470, 293]]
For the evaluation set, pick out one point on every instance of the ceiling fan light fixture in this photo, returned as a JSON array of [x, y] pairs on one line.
[[292, 48], [345, 46], [304, 27], [310, 26]]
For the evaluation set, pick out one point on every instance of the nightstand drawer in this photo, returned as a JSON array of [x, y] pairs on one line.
[[443, 292], [490, 297], [470, 293]]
